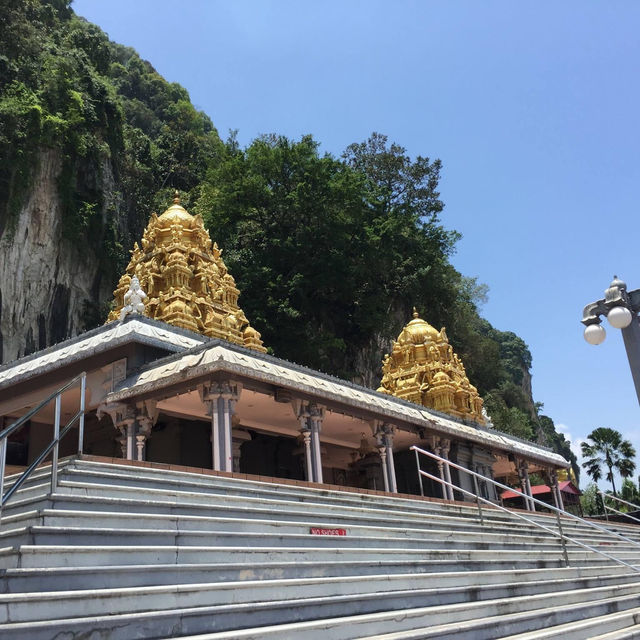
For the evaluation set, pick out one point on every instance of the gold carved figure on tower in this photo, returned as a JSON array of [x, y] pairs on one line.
[[423, 368], [186, 280]]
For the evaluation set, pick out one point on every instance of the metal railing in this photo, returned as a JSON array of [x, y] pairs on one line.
[[58, 435], [617, 499], [479, 500]]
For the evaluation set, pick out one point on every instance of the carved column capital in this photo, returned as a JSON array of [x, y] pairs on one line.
[[146, 415], [227, 389], [309, 414], [121, 414], [444, 446]]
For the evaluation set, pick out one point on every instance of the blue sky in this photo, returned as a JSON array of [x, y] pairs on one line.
[[533, 108]]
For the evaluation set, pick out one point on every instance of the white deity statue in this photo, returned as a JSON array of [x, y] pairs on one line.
[[487, 418], [133, 299]]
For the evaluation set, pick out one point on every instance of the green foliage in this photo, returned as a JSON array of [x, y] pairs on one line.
[[630, 493], [509, 419], [121, 131], [606, 448], [330, 253], [558, 442], [590, 501]]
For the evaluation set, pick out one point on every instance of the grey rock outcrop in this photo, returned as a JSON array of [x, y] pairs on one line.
[[45, 279]]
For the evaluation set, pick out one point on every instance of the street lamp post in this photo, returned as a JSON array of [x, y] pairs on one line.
[[621, 308]]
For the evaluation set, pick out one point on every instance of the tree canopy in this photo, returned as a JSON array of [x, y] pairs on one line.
[[330, 252], [605, 448]]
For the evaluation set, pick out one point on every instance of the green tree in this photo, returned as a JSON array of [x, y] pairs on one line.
[[630, 493], [330, 253], [606, 448], [591, 501]]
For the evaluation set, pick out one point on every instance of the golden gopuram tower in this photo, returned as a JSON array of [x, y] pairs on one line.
[[185, 279], [423, 368]]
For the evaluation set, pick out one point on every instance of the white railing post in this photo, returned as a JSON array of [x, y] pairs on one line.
[[54, 453], [419, 476], [3, 462], [83, 387]]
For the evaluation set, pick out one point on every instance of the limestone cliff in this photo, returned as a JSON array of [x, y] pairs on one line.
[[93, 139], [46, 280]]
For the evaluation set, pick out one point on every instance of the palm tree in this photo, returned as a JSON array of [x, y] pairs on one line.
[[606, 447]]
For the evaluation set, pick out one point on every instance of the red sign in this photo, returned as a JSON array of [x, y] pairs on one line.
[[317, 531]]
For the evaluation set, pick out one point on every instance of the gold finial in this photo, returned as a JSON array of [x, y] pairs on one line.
[[423, 368], [176, 197], [185, 279]]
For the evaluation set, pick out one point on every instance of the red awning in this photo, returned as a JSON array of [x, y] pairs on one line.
[[540, 489]]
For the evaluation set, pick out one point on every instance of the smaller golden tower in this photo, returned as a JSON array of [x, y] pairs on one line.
[[423, 368], [185, 279]]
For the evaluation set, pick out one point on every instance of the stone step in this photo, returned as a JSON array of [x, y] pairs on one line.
[[74, 578], [267, 511], [29, 514], [122, 517], [72, 535], [399, 507], [418, 624], [613, 626], [154, 479], [631, 631], [367, 594], [72, 519], [325, 617], [35, 556], [170, 480], [115, 474], [112, 473]]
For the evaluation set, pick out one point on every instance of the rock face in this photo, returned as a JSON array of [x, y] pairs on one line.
[[45, 279]]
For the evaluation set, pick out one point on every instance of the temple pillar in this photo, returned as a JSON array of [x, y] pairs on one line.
[[525, 483], [315, 418], [445, 447], [555, 490], [238, 438], [308, 465], [383, 433], [146, 416], [389, 431], [221, 398], [436, 446], [311, 416], [123, 417], [382, 451]]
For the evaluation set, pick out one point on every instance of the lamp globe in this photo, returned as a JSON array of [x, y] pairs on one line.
[[619, 317], [595, 334]]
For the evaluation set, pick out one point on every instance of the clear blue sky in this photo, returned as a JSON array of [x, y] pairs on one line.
[[533, 108]]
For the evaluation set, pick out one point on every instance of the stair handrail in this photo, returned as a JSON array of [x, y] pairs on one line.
[[564, 538], [604, 495], [58, 435]]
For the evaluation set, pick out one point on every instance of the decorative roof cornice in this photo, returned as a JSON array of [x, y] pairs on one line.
[[136, 329], [217, 356]]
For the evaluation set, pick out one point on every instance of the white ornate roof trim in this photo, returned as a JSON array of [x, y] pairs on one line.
[[220, 358], [92, 342]]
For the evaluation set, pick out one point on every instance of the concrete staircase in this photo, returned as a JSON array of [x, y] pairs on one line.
[[122, 552]]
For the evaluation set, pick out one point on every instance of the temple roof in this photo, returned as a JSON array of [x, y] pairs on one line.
[[423, 368], [184, 370], [185, 280], [135, 329]]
